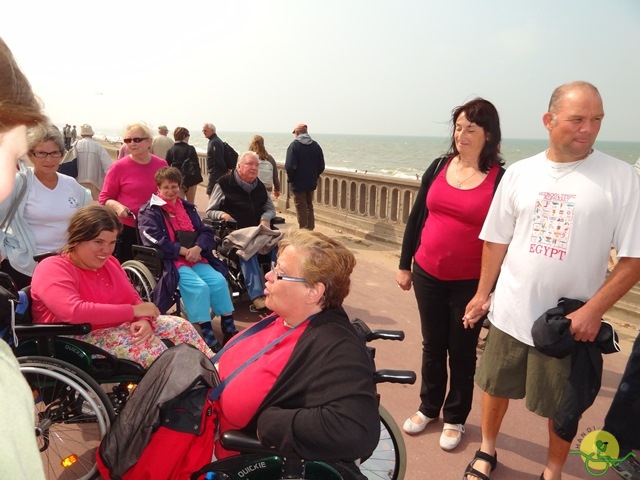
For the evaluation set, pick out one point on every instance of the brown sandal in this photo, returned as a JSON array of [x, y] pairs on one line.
[[480, 455]]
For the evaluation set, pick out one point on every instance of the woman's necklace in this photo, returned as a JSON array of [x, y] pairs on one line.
[[458, 181]]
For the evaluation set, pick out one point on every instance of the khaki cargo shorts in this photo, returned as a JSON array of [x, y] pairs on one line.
[[512, 369]]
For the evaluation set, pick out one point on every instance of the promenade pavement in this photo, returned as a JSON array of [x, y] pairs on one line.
[[376, 299]]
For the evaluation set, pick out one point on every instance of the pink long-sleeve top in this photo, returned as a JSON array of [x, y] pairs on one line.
[[62, 292], [131, 184]]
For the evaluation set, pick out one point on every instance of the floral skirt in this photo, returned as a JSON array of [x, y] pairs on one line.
[[118, 341]]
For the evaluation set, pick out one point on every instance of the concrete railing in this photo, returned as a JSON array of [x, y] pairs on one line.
[[366, 205]]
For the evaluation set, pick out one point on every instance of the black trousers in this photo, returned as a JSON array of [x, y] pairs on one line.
[[623, 419], [441, 305]]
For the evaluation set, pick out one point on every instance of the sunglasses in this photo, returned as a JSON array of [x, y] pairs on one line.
[[134, 140]]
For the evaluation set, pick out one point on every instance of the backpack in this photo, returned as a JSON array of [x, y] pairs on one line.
[[230, 156]]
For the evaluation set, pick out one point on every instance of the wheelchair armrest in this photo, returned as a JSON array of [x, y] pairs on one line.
[[243, 442], [41, 256], [146, 252], [52, 329]]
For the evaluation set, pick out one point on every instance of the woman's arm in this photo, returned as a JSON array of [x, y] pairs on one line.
[[154, 232]]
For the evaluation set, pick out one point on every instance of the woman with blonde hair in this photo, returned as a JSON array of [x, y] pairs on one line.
[[267, 169], [129, 183]]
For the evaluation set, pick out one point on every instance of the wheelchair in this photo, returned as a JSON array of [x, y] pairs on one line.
[[235, 279], [77, 388]]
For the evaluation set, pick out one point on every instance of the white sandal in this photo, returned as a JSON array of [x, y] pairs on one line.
[[447, 442], [412, 427]]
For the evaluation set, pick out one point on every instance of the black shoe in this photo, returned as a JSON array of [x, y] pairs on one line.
[[226, 336], [215, 348]]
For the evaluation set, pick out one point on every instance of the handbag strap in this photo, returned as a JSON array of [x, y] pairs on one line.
[[14, 206], [217, 391]]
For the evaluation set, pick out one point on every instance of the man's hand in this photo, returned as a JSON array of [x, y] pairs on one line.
[[584, 324], [226, 216], [477, 308], [266, 223]]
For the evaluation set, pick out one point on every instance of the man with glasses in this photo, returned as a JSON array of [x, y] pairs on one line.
[[93, 161], [216, 166], [241, 196]]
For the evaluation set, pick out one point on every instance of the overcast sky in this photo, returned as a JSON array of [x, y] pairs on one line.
[[342, 66]]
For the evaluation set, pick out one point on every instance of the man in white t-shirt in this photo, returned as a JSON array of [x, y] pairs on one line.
[[548, 235]]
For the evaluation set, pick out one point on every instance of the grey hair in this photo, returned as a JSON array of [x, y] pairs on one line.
[[45, 132], [248, 154], [211, 126]]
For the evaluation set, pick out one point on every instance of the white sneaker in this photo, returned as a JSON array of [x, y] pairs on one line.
[[449, 443], [412, 427]]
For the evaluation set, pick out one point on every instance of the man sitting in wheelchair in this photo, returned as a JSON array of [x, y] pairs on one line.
[[172, 225], [242, 197], [87, 284]]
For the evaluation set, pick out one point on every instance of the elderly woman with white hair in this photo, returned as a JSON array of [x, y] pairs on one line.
[[130, 183], [36, 215]]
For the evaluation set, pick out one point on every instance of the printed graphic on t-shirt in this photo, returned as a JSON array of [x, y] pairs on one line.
[[552, 224]]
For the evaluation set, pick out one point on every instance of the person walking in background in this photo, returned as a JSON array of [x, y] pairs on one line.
[[216, 166], [267, 170], [442, 239], [548, 234], [74, 135], [185, 158], [129, 183], [19, 108], [161, 143], [44, 201], [66, 133], [304, 164], [93, 161], [123, 151]]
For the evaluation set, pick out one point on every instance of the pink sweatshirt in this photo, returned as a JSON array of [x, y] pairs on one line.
[[131, 184], [62, 292]]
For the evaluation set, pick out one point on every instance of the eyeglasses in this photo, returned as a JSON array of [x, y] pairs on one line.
[[167, 188], [56, 154], [134, 140], [279, 276]]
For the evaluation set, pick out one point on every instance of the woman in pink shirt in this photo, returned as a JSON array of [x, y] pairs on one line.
[[85, 284], [129, 183]]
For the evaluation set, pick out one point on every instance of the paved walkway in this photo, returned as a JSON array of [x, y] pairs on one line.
[[522, 444]]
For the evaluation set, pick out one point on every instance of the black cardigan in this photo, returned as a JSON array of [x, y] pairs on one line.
[[419, 212], [323, 405]]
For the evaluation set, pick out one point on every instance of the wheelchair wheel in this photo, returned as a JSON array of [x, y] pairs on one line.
[[389, 460], [72, 414], [141, 278]]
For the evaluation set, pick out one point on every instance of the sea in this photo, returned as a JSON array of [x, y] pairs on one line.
[[396, 156]]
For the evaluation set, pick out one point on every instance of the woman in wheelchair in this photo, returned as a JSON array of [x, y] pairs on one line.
[[173, 226], [312, 393], [86, 284]]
